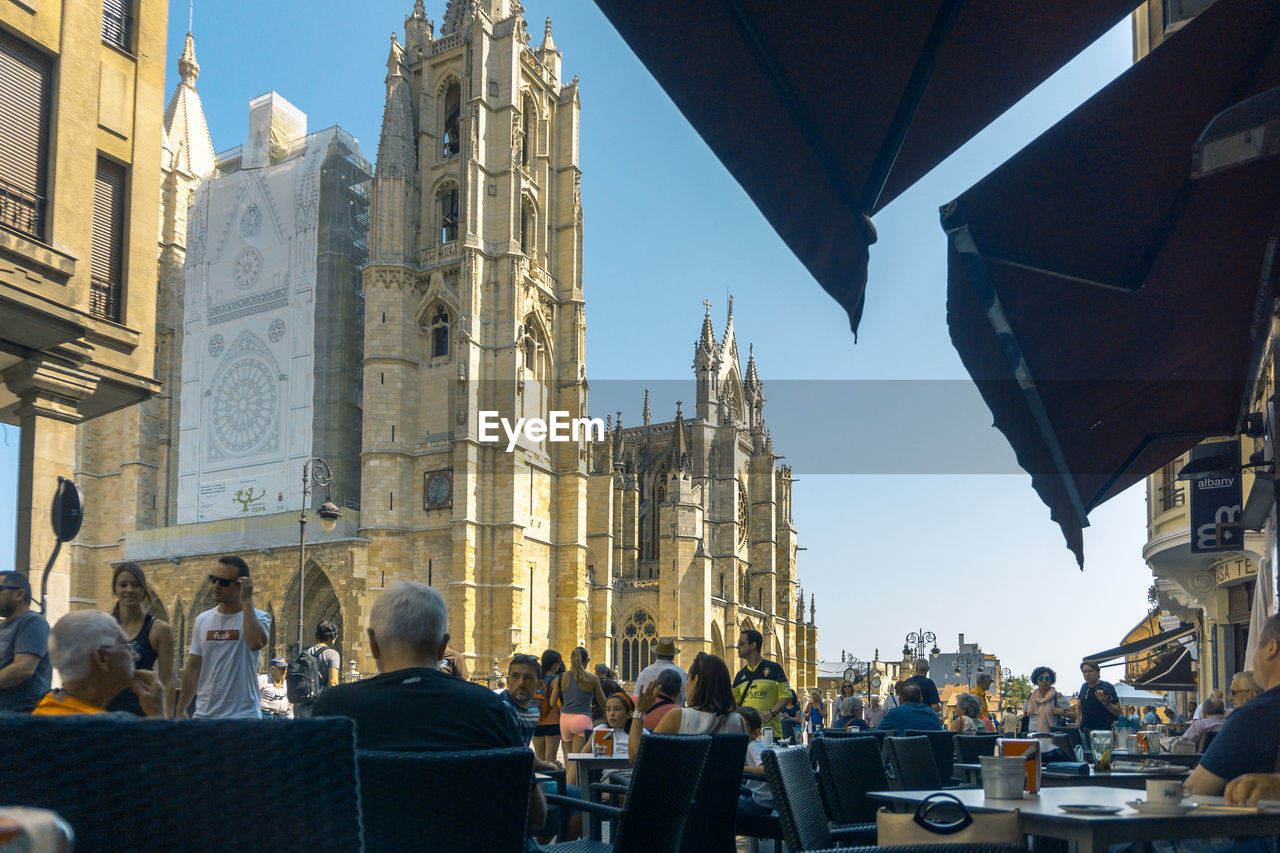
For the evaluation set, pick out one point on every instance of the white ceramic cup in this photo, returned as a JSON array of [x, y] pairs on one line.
[[1165, 792]]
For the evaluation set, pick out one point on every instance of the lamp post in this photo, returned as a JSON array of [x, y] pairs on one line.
[[920, 639], [859, 670], [967, 661], [315, 472]]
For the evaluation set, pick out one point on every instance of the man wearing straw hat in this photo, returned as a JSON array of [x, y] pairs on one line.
[[666, 652]]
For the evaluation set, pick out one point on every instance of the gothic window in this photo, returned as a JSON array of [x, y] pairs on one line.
[[529, 121], [744, 514], [721, 593], [440, 333], [639, 636], [531, 356], [528, 221], [452, 109], [449, 214], [760, 599]]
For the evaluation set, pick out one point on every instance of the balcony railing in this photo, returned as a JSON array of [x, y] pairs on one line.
[[21, 211], [1170, 494], [104, 298]]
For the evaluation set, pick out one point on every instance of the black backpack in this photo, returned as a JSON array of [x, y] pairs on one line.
[[305, 677]]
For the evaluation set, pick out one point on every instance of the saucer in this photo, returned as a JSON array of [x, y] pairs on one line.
[[1145, 808], [1086, 809]]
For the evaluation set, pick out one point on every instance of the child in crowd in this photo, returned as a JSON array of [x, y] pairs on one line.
[[617, 716], [760, 800]]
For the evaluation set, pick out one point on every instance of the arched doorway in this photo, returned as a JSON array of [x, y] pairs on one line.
[[320, 604]]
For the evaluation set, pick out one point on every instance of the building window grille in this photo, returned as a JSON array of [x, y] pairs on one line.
[[107, 247], [1170, 493], [24, 110], [116, 23], [449, 215]]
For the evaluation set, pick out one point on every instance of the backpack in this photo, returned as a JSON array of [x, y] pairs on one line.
[[305, 677]]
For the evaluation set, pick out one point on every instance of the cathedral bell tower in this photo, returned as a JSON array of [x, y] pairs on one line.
[[473, 303]]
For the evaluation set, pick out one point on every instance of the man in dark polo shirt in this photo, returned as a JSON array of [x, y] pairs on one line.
[[928, 689], [1249, 739], [411, 704], [1099, 704]]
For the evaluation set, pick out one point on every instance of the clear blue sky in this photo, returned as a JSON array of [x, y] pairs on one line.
[[891, 550]]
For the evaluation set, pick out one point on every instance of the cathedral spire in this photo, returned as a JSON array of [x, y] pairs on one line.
[[396, 145], [548, 43], [680, 456], [752, 380], [188, 147], [707, 340], [617, 440], [646, 407]]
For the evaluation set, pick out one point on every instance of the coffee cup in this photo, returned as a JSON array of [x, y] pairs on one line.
[[1165, 792]]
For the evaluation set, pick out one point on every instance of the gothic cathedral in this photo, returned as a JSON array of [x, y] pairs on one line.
[[473, 302]]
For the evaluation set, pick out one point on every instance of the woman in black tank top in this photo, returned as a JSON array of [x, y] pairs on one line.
[[152, 637]]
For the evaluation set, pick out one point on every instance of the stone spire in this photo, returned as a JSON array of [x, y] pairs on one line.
[[617, 440], [645, 412], [680, 456], [812, 608], [752, 380], [728, 342], [395, 147], [457, 14], [187, 145], [707, 339], [548, 44]]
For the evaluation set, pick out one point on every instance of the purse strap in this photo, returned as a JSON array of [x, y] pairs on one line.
[[950, 802]]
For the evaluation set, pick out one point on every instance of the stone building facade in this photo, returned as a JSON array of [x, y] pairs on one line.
[[473, 302]]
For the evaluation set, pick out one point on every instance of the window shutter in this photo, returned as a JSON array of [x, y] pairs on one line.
[[108, 239], [24, 83], [115, 22]]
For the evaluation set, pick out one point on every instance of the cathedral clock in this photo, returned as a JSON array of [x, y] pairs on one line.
[[437, 489]]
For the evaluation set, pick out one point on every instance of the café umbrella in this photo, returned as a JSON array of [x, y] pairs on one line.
[[825, 112], [1109, 286]]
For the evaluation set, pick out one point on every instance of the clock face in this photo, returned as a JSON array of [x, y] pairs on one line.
[[247, 268], [438, 489], [244, 405]]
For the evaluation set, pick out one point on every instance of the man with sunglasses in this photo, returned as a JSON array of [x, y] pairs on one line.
[[25, 672], [222, 666]]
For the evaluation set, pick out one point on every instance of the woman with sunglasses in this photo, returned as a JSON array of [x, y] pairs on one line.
[[1046, 707], [152, 638]]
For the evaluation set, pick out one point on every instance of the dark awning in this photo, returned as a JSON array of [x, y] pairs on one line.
[[808, 104], [1111, 309], [1137, 647], [1171, 672]]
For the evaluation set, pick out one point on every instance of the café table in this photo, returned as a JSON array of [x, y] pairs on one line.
[[1041, 816], [590, 769], [1133, 779], [1186, 759]]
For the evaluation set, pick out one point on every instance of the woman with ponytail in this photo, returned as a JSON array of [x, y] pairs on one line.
[[574, 691]]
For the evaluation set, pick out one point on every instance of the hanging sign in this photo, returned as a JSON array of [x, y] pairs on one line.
[[1216, 502]]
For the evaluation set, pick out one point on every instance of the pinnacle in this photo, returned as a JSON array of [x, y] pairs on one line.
[[188, 68], [707, 340], [548, 43]]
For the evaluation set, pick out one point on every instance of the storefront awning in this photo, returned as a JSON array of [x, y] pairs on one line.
[[1172, 672], [825, 112], [1137, 647], [1109, 299]]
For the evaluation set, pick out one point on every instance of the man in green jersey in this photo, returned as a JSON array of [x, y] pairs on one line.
[[760, 684]]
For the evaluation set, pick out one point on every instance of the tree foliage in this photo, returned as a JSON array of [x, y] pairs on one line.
[[1014, 691]]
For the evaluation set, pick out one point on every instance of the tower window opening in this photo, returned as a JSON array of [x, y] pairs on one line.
[[440, 333], [528, 220], [449, 215], [452, 109], [529, 121]]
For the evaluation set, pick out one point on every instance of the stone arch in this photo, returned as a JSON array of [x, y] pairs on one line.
[[637, 636], [717, 640], [528, 225], [529, 126], [447, 206], [449, 98], [320, 603]]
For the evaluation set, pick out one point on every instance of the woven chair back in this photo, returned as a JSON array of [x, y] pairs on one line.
[[848, 769], [912, 762]]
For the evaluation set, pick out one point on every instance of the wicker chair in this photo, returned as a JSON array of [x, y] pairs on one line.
[[943, 744], [972, 747], [129, 785], [799, 804], [912, 763], [487, 813], [848, 769], [710, 826], [659, 799]]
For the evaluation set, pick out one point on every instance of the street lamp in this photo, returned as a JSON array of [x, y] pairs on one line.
[[920, 639], [315, 472], [859, 670], [967, 661]]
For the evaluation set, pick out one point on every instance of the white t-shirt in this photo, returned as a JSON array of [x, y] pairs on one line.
[[760, 791], [275, 700], [650, 674], [229, 670]]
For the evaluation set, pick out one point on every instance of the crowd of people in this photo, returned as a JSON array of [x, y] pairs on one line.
[[122, 661]]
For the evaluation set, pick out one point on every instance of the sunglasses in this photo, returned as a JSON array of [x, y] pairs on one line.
[[1044, 678], [217, 581], [17, 588]]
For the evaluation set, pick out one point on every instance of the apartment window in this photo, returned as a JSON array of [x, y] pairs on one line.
[[116, 23], [24, 108], [107, 248], [1170, 493]]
